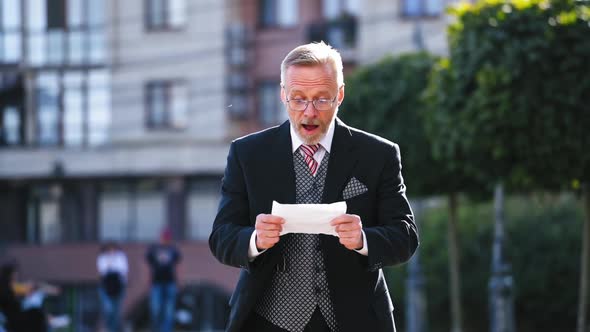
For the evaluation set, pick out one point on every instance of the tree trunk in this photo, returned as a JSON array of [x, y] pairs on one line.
[[583, 295], [454, 275]]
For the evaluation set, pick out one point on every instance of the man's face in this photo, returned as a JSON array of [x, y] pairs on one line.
[[311, 83]]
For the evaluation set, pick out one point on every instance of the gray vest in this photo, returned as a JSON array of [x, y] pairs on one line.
[[299, 286]]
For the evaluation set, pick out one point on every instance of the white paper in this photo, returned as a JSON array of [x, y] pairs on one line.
[[308, 218]]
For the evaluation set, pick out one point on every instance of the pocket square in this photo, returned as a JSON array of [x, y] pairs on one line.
[[353, 188]]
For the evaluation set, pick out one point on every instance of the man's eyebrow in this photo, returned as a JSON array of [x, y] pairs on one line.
[[322, 92]]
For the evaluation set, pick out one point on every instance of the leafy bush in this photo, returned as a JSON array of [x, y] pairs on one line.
[[543, 245]]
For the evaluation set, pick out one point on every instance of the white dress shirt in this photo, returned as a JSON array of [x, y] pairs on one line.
[[325, 145], [112, 260]]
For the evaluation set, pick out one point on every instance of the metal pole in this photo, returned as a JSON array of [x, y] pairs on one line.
[[417, 35], [501, 283]]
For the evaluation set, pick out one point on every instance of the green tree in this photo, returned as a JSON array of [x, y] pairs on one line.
[[513, 96], [386, 98]]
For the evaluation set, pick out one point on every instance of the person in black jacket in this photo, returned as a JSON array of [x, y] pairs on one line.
[[313, 282], [163, 259]]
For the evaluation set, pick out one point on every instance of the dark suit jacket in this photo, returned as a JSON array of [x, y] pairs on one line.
[[260, 169]]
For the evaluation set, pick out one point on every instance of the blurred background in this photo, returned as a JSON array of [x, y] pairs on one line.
[[116, 118]]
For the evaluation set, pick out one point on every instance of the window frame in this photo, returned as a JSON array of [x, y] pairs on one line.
[[15, 31], [82, 42], [261, 113], [13, 82], [168, 122], [165, 16], [276, 22], [131, 190], [85, 93], [203, 187]]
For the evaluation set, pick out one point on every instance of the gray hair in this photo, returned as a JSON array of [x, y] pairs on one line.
[[314, 54]]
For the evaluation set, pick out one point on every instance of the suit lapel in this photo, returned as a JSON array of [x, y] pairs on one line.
[[283, 184], [343, 159]]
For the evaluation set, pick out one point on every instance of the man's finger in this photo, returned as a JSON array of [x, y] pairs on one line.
[[266, 240], [345, 219], [346, 242], [270, 219], [269, 227], [349, 227], [348, 235], [340, 220], [269, 234]]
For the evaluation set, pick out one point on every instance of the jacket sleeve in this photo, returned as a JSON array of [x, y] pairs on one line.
[[394, 238], [229, 239]]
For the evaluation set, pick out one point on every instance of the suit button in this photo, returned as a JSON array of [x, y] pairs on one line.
[[318, 290], [318, 269], [318, 248]]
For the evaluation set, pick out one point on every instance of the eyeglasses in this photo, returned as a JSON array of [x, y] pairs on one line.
[[321, 104]]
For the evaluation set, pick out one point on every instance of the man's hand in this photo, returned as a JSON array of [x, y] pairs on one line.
[[268, 228], [349, 229]]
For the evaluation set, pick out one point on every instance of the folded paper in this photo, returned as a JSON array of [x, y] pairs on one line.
[[308, 218]]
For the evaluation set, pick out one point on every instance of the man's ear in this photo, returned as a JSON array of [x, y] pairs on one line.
[[341, 94], [283, 96]]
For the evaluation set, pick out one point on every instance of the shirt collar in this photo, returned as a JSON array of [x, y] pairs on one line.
[[325, 142]]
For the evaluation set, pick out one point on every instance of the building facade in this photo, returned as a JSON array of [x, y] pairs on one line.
[[116, 117], [112, 126], [395, 27], [261, 32]]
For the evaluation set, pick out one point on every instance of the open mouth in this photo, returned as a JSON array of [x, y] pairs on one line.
[[309, 127]]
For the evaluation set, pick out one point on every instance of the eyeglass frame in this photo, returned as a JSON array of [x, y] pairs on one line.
[[313, 101]]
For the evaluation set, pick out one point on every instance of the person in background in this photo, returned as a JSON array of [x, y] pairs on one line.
[[21, 303], [113, 269], [163, 259]]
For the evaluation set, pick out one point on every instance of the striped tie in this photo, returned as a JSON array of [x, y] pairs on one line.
[[308, 152]]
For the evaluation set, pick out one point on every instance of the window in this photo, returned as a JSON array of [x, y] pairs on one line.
[[11, 133], [45, 224], [165, 14], [72, 108], [282, 13], [99, 106], [55, 213], [334, 9], [49, 222], [65, 32], [10, 31], [202, 202], [271, 110], [11, 109], [73, 104], [47, 109], [56, 14], [131, 211], [166, 104], [339, 29], [413, 8]]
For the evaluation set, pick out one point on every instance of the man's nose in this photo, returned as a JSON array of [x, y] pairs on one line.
[[310, 111]]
